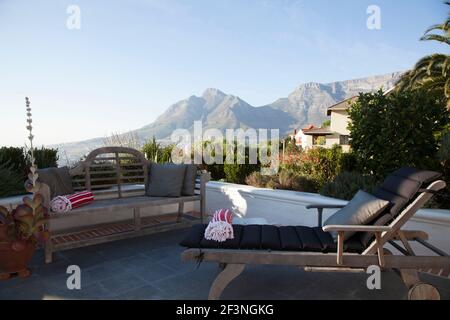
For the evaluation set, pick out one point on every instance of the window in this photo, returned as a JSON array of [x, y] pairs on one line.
[[344, 140], [319, 140]]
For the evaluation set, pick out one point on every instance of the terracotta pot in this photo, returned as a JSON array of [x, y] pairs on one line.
[[15, 262]]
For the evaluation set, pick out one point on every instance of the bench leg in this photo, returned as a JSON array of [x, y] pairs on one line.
[[48, 251], [230, 272], [180, 211], [137, 218]]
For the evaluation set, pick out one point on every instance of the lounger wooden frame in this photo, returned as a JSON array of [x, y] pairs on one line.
[[407, 266]]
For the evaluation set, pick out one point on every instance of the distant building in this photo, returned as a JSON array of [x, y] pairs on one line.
[[311, 136], [301, 138]]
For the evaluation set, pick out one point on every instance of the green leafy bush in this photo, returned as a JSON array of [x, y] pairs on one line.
[[45, 157], [14, 164], [256, 179], [11, 182], [291, 180], [396, 130], [347, 184], [236, 173], [318, 164], [157, 153], [14, 159], [285, 180]]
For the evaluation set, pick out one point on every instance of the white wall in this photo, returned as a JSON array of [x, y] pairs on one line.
[[339, 122]]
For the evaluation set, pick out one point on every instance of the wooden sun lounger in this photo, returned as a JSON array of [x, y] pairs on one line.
[[407, 265]]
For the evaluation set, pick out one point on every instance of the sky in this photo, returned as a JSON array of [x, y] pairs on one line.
[[130, 60]]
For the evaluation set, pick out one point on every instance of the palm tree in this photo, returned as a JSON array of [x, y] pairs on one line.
[[431, 73]]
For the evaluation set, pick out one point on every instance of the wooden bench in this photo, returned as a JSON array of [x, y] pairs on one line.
[[118, 178]]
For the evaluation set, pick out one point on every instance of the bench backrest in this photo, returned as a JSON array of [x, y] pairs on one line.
[[111, 169]]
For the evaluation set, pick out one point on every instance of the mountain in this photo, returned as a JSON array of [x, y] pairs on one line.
[[306, 104]]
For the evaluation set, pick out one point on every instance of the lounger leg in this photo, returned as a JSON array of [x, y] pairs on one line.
[[230, 272], [202, 209], [418, 290]]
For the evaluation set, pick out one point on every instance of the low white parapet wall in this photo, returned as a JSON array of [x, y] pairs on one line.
[[288, 208]]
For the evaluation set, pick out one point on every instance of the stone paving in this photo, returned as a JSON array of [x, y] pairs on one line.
[[150, 268]]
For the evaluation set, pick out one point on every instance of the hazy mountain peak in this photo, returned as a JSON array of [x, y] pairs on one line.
[[210, 93]]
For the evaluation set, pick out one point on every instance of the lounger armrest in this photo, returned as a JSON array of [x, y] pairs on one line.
[[342, 229], [320, 208], [325, 206], [357, 228]]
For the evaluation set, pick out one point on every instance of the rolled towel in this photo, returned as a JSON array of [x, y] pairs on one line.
[[220, 228], [61, 204]]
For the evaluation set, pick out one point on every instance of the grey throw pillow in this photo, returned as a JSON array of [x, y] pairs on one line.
[[58, 180], [361, 210], [166, 180], [189, 180]]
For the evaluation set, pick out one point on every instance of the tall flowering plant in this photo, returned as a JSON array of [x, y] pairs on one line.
[[26, 223]]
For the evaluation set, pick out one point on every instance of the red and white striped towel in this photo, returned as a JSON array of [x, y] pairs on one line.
[[66, 203], [220, 228]]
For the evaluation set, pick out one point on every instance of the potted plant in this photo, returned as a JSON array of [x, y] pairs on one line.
[[22, 228]]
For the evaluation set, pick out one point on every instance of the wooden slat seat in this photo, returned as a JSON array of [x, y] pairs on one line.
[[111, 205]]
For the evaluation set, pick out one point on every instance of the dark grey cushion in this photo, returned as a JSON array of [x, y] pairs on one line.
[[361, 210], [189, 180], [58, 180], [423, 176], [400, 187], [166, 180]]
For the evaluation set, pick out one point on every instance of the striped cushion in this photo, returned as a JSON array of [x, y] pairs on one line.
[[80, 198], [61, 204]]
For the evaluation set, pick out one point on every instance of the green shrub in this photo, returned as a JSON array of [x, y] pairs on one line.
[[347, 184], [14, 167], [348, 162], [318, 164], [157, 153], [285, 180], [256, 179], [397, 130], [14, 159], [45, 157], [291, 180], [236, 173], [11, 182]]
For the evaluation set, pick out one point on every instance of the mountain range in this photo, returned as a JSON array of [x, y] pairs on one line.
[[307, 104]]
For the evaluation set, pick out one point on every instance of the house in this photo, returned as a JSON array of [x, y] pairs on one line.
[[301, 138], [337, 133]]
